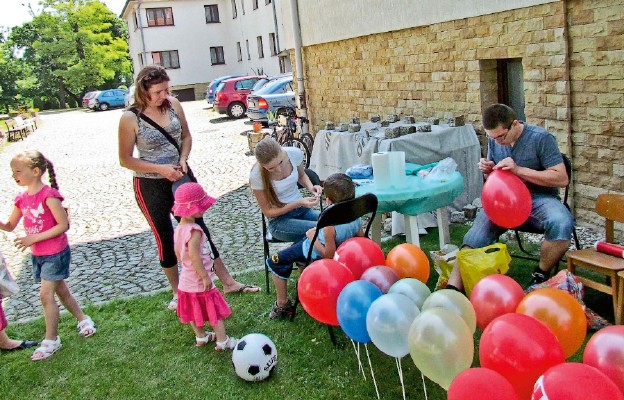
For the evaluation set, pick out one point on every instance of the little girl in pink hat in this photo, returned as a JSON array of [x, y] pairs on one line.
[[198, 298]]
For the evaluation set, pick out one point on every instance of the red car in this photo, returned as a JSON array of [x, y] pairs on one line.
[[88, 96], [231, 95]]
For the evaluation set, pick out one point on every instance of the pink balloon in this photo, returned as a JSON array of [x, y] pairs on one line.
[[481, 384], [506, 199], [605, 351], [358, 254], [575, 381], [381, 276], [494, 296], [520, 348]]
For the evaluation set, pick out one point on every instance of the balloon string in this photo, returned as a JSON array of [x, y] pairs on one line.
[[357, 353], [400, 371], [424, 386], [371, 368]]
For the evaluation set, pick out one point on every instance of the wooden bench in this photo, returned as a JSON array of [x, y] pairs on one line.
[[14, 130]]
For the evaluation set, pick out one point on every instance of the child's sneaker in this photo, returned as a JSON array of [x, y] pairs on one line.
[[284, 311]]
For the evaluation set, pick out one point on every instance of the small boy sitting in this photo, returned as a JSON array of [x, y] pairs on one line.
[[337, 188]]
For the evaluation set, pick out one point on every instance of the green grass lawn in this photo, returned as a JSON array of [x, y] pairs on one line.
[[141, 351]]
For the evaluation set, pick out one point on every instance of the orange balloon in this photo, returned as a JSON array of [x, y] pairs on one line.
[[409, 261], [561, 312]]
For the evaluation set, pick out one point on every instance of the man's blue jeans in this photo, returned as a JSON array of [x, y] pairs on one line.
[[548, 213]]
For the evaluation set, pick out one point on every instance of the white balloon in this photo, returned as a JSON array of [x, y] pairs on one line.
[[412, 288], [388, 321], [454, 301]]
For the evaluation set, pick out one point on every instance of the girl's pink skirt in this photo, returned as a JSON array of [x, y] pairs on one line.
[[199, 307], [3, 321]]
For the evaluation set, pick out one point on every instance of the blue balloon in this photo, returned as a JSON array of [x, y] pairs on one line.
[[352, 306]]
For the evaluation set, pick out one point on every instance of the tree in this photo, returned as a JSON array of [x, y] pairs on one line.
[[73, 46]]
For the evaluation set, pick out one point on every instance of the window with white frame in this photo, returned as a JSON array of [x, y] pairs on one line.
[[273, 44], [243, 6], [260, 47], [167, 59], [212, 13], [248, 53], [255, 4], [239, 51], [216, 55], [234, 12], [159, 16], [267, 1]]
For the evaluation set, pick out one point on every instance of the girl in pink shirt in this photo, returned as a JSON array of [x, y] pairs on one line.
[[45, 224], [198, 298]]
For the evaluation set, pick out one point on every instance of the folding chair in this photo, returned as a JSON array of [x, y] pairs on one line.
[[531, 229], [266, 239], [611, 207], [337, 214]]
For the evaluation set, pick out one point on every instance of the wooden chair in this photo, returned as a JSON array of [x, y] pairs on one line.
[[267, 239], [611, 207], [531, 229], [337, 214], [620, 308]]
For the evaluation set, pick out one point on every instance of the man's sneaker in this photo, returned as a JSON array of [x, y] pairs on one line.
[[284, 311], [538, 277]]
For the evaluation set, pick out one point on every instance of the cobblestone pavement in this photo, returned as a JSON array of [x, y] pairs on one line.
[[113, 250]]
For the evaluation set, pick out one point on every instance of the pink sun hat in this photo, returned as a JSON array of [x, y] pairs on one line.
[[191, 198]]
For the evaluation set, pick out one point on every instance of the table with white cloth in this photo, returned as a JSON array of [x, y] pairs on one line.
[[337, 151]]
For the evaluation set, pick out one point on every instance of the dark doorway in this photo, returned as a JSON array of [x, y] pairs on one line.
[[185, 94]]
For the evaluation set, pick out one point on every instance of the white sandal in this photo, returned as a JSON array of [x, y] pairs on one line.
[[86, 327], [202, 341], [228, 344], [47, 348], [173, 304]]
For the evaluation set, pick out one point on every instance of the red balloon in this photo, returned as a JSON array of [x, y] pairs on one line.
[[520, 348], [319, 285], [575, 381], [381, 276], [358, 254], [493, 296], [481, 384], [506, 199], [605, 351]]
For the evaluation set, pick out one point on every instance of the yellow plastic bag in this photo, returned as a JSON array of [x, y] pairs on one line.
[[475, 264]]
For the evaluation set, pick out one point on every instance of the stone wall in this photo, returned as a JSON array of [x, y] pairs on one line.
[[596, 31], [572, 55]]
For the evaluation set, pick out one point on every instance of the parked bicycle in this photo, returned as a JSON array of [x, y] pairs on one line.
[[290, 135]]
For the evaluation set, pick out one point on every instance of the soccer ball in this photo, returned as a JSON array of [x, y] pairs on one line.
[[254, 357]]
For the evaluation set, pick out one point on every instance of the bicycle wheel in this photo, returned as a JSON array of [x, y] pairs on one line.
[[308, 140], [298, 143]]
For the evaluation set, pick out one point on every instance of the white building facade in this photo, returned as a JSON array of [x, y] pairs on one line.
[[199, 40]]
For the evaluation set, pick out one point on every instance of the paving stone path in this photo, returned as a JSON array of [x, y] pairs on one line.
[[113, 250]]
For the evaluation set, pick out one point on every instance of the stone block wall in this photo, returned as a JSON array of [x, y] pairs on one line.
[[572, 54], [596, 31]]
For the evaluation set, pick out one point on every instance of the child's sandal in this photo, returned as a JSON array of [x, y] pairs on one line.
[[86, 327], [202, 341], [47, 348], [228, 344]]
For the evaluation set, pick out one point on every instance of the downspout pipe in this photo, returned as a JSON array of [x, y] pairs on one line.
[[140, 21], [301, 102], [277, 42]]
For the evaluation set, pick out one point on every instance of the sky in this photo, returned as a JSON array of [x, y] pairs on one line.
[[15, 12]]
